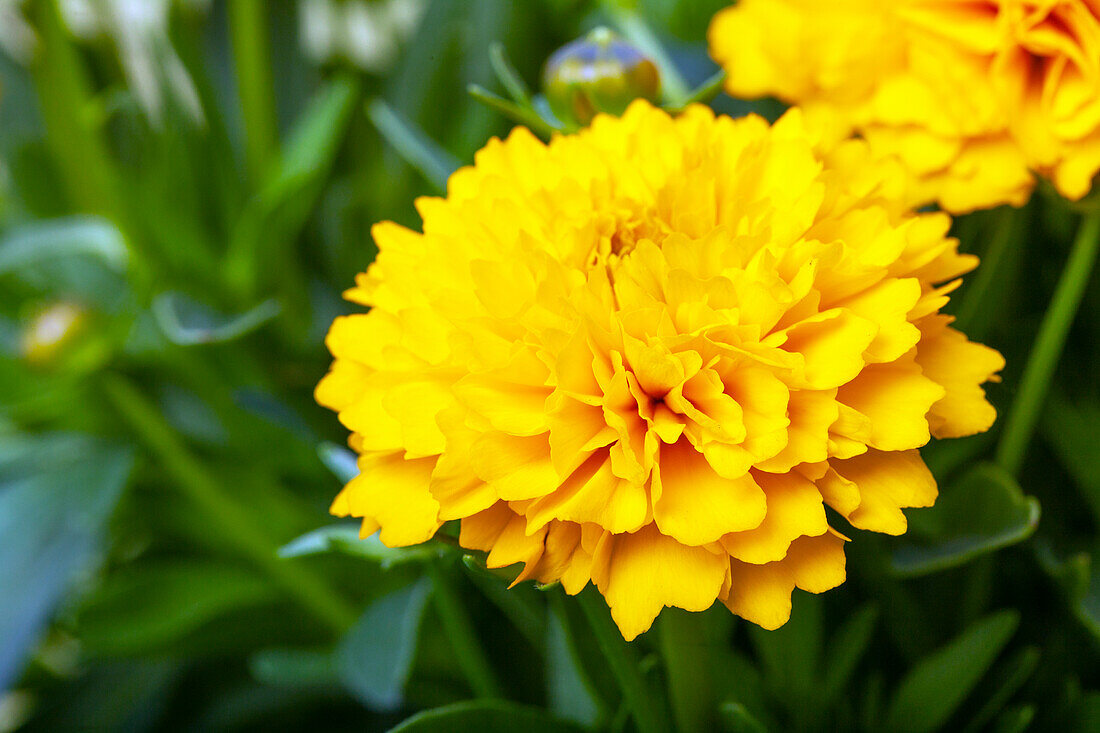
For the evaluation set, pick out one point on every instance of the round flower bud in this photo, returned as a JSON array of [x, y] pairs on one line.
[[600, 72], [51, 330]]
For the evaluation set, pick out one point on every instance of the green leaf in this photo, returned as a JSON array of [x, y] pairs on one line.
[[295, 668], [413, 145], [177, 598], [375, 658], [981, 512], [275, 216], [938, 684], [485, 716], [1070, 427], [846, 649], [343, 464], [1012, 677], [1016, 720], [570, 692], [57, 492], [344, 538], [187, 322], [61, 238], [736, 718]]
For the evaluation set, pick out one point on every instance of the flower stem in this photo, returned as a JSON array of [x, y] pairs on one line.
[[236, 524], [683, 648], [460, 632], [255, 84], [624, 667], [1047, 350]]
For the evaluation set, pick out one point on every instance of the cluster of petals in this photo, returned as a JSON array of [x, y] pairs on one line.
[[647, 356], [974, 96]]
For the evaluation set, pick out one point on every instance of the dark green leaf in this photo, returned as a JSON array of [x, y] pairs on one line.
[[1017, 720], [1071, 427], [177, 598], [485, 716], [376, 656], [56, 495], [983, 511], [570, 692], [935, 687], [737, 719], [1013, 675], [846, 648]]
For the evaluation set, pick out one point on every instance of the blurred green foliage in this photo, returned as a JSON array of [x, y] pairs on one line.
[[166, 557]]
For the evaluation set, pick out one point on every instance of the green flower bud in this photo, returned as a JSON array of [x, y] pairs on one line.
[[64, 337], [597, 73]]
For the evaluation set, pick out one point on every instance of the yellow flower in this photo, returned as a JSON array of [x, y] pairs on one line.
[[648, 355], [972, 95]]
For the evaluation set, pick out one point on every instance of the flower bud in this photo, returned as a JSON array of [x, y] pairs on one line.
[[597, 73]]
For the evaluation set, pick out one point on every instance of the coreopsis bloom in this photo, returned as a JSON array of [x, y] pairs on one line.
[[972, 95], [647, 356]]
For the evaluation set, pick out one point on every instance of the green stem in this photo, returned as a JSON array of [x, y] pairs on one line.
[[65, 96], [460, 632], [624, 667], [235, 523], [1047, 350], [684, 648], [255, 84]]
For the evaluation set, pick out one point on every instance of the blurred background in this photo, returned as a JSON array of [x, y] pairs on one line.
[[186, 186]]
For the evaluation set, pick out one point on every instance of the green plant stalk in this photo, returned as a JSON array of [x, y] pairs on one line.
[[689, 685], [65, 98], [255, 84], [235, 523], [636, 693], [1047, 350], [460, 632]]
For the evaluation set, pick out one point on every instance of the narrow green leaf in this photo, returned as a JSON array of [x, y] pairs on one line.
[[1013, 675], [523, 115], [1016, 720], [981, 512], [177, 598], [846, 649], [938, 684], [415, 147], [343, 463], [508, 76], [570, 692], [376, 656], [708, 90], [275, 216], [736, 718], [187, 322], [485, 716], [56, 494], [1070, 427], [344, 539]]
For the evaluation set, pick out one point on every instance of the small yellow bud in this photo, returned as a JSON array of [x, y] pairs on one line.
[[51, 331], [600, 72]]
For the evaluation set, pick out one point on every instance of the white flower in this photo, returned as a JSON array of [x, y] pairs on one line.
[[366, 34]]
